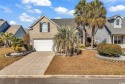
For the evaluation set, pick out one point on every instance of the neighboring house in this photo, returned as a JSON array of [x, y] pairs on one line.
[[44, 29], [4, 25], [17, 30], [113, 32]]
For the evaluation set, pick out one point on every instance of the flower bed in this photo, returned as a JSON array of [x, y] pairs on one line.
[[116, 59], [15, 54]]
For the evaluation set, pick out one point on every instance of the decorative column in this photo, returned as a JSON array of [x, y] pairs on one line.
[[113, 40]]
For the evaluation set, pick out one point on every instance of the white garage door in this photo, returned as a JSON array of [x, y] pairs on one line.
[[43, 45]]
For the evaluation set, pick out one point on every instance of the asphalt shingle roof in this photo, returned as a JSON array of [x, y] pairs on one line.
[[116, 30], [1, 22], [65, 22], [13, 29]]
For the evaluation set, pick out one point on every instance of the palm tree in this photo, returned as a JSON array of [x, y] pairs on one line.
[[81, 16], [66, 39], [5, 37], [17, 44], [97, 17], [1, 42]]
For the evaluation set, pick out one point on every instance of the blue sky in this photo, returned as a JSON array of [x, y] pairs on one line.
[[25, 12]]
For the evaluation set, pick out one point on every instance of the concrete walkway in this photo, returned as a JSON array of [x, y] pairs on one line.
[[35, 63]]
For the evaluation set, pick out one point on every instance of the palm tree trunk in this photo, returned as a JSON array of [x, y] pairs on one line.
[[92, 41], [84, 36], [92, 37]]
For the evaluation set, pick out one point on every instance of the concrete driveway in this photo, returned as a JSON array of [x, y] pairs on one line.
[[35, 63]]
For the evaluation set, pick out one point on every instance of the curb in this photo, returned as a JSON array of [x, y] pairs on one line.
[[66, 76]]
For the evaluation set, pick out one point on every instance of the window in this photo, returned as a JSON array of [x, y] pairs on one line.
[[44, 27], [117, 22], [118, 39]]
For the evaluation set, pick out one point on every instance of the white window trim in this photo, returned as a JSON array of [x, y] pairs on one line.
[[42, 27], [117, 39]]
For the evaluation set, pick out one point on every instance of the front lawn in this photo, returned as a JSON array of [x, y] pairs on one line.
[[85, 64], [5, 61]]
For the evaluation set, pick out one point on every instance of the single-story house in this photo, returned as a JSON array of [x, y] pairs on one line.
[[17, 30], [43, 30]]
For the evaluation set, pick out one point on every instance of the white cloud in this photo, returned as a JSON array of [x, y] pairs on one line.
[[112, 1], [117, 8], [12, 22], [7, 10], [34, 11], [29, 9], [71, 12], [26, 18], [106, 1], [38, 2], [62, 10], [57, 18]]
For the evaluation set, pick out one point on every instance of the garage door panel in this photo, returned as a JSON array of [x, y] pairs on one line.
[[43, 45]]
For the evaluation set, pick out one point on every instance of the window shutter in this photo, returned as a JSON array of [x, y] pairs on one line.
[[48, 27], [40, 26]]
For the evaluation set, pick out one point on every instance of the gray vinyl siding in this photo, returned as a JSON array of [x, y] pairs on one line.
[[20, 33], [102, 35], [4, 27]]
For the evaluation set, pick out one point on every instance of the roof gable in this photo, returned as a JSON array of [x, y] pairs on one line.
[[116, 30], [115, 16], [30, 27], [13, 29]]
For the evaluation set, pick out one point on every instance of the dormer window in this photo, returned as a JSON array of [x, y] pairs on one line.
[[44, 27], [117, 22]]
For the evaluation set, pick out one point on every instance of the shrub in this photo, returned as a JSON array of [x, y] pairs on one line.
[[18, 49], [28, 47], [100, 47], [109, 49], [123, 53], [82, 46], [1, 44], [26, 39], [78, 51]]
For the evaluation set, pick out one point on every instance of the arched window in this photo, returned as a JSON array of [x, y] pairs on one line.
[[44, 27], [117, 22]]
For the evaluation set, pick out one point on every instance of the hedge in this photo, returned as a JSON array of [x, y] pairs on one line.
[[109, 49]]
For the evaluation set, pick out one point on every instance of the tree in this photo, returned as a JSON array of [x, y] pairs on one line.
[[26, 39], [5, 37], [97, 17], [81, 16], [17, 44], [66, 40]]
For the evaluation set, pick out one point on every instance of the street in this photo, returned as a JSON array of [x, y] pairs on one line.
[[62, 81]]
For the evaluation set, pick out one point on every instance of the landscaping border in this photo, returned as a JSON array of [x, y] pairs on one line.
[[115, 59]]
